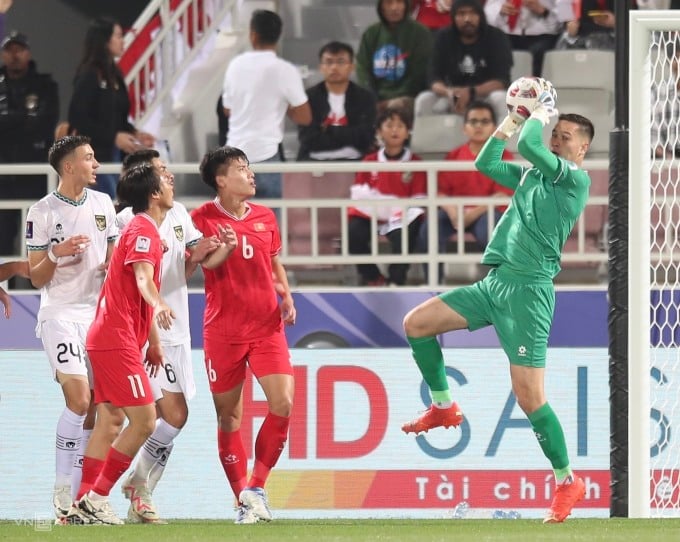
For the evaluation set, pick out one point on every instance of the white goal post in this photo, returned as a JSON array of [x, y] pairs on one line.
[[654, 251]]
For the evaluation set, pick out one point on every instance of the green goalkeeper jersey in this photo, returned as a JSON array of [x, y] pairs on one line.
[[548, 199]]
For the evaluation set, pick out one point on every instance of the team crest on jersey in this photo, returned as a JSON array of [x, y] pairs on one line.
[[100, 221], [143, 244], [179, 233], [29, 229], [259, 226]]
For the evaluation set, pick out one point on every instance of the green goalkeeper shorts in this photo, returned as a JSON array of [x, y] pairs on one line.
[[521, 312]]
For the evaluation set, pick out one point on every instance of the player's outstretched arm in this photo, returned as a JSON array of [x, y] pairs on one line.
[[228, 243], [162, 314], [489, 162], [530, 144], [16, 268], [531, 147], [199, 252]]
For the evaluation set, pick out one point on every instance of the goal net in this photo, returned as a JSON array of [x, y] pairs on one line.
[[654, 265]]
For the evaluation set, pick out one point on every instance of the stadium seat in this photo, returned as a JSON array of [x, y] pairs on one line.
[[302, 51], [603, 123], [580, 68], [337, 22], [521, 64], [584, 79], [435, 135]]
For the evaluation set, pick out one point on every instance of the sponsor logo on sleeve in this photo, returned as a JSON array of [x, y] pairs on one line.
[[29, 229], [143, 244]]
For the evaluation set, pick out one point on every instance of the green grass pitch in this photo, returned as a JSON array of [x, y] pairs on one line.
[[575, 530]]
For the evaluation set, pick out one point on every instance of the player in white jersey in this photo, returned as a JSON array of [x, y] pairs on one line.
[[70, 235], [174, 381]]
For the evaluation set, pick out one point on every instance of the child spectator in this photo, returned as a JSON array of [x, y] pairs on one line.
[[394, 125]]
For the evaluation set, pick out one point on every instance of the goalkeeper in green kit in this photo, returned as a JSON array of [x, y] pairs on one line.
[[517, 296]]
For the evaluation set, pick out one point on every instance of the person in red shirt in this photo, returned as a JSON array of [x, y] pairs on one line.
[[128, 306], [394, 125], [243, 324], [479, 124], [434, 14]]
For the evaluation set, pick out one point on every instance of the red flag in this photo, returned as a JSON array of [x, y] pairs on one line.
[[512, 19]]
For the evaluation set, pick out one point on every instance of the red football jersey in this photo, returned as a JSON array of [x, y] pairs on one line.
[[469, 183], [241, 304], [391, 183], [123, 318]]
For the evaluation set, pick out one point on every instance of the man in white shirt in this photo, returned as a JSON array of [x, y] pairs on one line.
[[70, 235], [259, 90], [173, 384]]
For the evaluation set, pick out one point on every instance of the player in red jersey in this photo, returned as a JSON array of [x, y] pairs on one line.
[[128, 305], [243, 323]]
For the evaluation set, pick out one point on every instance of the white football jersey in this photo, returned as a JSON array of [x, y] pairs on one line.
[[73, 291], [178, 232]]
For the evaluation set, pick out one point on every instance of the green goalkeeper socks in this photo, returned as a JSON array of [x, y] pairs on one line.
[[428, 356], [550, 436]]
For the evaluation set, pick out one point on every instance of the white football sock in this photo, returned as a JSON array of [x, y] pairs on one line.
[[69, 433], [77, 472], [155, 451], [158, 468]]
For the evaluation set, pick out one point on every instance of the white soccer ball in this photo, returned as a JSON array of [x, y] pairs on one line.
[[522, 95]]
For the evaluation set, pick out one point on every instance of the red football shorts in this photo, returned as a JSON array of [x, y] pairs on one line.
[[226, 362], [120, 378]]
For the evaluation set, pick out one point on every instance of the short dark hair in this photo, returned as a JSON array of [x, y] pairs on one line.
[[267, 25], [336, 47], [585, 125], [479, 104], [213, 161], [401, 113], [142, 156], [137, 185], [64, 146]]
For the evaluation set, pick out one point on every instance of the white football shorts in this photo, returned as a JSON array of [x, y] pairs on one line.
[[64, 344], [177, 373]]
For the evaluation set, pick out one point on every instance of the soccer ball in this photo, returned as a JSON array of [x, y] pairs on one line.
[[523, 93]]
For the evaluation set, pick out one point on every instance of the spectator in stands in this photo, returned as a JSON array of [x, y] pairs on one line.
[[471, 59], [394, 125], [393, 55], [259, 90], [434, 14], [480, 123], [590, 28], [531, 25], [343, 113], [100, 105], [29, 108]]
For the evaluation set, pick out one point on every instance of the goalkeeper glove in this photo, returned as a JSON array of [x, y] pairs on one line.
[[543, 113], [546, 102], [511, 124]]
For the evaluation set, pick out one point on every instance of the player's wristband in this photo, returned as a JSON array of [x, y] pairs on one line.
[[52, 256]]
